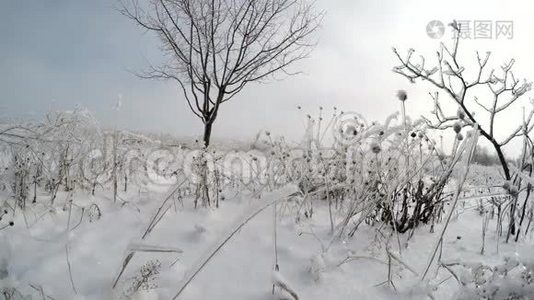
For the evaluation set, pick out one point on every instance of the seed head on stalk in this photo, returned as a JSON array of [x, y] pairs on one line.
[[402, 95]]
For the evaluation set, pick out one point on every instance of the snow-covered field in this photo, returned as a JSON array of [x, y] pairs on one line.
[[377, 189], [382, 214], [312, 262]]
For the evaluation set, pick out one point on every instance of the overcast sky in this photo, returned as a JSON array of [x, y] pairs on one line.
[[61, 54]]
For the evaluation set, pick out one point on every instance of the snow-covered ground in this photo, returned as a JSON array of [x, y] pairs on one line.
[[38, 251]]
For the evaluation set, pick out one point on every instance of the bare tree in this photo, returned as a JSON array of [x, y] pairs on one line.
[[449, 76], [215, 47]]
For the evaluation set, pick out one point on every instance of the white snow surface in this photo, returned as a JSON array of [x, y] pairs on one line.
[[34, 252]]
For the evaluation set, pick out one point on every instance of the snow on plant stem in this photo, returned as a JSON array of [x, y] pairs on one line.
[[230, 232], [471, 150]]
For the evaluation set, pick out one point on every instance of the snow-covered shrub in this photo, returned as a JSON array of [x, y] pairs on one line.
[[387, 173], [20, 174], [145, 278], [10, 293], [44, 154], [94, 213], [512, 279]]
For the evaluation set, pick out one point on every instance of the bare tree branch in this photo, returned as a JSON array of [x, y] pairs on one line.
[[214, 48], [448, 76]]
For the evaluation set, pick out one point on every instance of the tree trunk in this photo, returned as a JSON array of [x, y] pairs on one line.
[[207, 133]]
